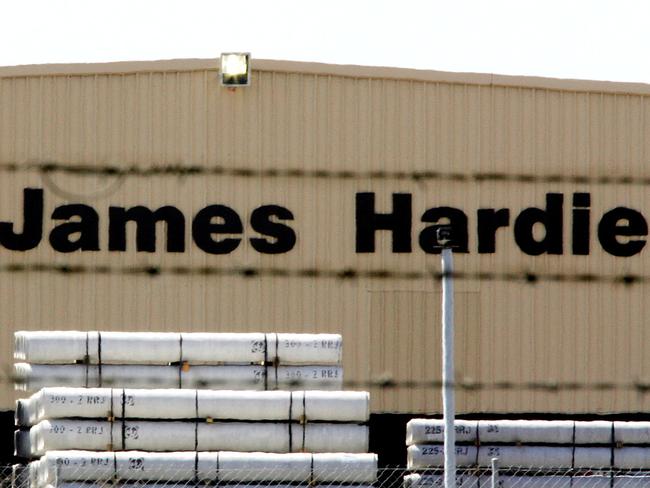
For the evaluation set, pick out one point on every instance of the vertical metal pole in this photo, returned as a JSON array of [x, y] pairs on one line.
[[448, 404], [495, 472]]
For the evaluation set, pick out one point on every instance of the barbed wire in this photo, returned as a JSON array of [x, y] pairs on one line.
[[348, 274], [383, 383], [318, 173]]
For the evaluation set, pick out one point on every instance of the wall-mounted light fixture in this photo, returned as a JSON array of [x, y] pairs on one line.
[[235, 69]]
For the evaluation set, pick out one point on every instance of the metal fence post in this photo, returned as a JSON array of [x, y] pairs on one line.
[[494, 462]]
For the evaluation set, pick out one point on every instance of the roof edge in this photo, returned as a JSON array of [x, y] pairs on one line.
[[348, 71]]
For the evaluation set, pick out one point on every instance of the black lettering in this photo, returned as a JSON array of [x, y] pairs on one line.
[[581, 228], [146, 220], [32, 223], [488, 222], [284, 238], [368, 222], [87, 227], [455, 218], [610, 228], [552, 220], [203, 229]]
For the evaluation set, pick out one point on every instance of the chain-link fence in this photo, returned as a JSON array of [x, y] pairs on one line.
[[138, 474]]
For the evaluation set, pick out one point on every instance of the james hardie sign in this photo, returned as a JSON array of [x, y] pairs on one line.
[[219, 229]]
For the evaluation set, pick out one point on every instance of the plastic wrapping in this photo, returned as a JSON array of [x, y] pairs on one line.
[[568, 432], [144, 484], [424, 431], [93, 435], [416, 480], [510, 481], [33, 377], [629, 433], [67, 347], [541, 457], [427, 456], [97, 403], [225, 467]]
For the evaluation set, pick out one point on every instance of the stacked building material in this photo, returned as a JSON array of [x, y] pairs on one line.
[[84, 436], [526, 481], [542, 446], [249, 361], [191, 420], [203, 467]]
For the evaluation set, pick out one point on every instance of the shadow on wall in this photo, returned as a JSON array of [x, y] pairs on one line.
[[7, 438]]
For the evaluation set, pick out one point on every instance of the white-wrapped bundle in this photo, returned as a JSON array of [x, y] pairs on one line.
[[261, 378], [136, 347], [593, 432], [307, 377], [323, 437], [478, 481], [65, 466], [111, 484], [632, 481], [19, 476], [275, 437], [342, 406], [307, 348], [51, 346], [632, 458], [32, 377], [529, 481], [416, 480], [422, 431], [141, 484], [595, 481], [95, 435], [546, 457], [61, 402], [425, 431], [66, 347], [592, 457], [227, 377], [632, 432], [526, 431], [237, 466], [426, 456], [509, 481], [208, 348], [33, 474], [345, 468]]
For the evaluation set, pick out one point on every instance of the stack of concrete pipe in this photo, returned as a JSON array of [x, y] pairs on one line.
[[281, 419], [542, 447]]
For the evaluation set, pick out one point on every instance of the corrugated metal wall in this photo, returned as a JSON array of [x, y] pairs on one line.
[[338, 127]]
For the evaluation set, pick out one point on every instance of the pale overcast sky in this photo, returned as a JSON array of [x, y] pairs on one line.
[[589, 39]]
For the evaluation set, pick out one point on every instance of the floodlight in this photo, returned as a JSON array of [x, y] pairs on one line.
[[235, 69]]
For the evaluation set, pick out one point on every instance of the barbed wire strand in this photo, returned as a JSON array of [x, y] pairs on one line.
[[318, 173], [385, 383], [347, 274]]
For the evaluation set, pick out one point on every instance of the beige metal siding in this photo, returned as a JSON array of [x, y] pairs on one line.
[[328, 122]]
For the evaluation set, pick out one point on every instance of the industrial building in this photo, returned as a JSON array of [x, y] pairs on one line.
[[148, 196]]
